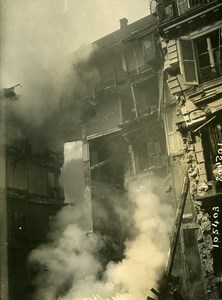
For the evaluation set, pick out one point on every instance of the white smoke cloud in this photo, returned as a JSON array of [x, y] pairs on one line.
[[146, 254], [73, 259], [37, 38]]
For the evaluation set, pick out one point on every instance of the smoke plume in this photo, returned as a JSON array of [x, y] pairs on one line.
[[36, 39], [49, 109], [73, 265], [35, 52]]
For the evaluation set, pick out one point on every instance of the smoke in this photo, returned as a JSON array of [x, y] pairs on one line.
[[36, 54], [49, 109], [73, 265], [145, 255], [37, 38]]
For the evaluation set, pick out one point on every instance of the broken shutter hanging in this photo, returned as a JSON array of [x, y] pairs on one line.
[[188, 62]]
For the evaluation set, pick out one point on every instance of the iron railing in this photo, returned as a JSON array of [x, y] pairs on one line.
[[210, 73]]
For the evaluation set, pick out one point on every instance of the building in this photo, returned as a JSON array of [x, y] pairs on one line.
[[122, 121], [190, 34], [33, 198], [30, 197], [151, 104]]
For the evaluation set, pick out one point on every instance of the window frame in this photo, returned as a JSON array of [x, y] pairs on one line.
[[181, 61], [193, 37], [150, 37]]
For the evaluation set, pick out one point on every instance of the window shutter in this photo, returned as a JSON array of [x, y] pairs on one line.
[[174, 140], [188, 62]]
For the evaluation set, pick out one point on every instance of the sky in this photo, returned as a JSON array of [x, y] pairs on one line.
[[44, 31]]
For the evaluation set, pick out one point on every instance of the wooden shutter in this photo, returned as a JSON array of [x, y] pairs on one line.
[[174, 140], [188, 64]]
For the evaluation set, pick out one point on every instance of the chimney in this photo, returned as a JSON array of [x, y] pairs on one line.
[[123, 23]]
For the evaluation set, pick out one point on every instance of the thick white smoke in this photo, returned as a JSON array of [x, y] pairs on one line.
[[72, 267]]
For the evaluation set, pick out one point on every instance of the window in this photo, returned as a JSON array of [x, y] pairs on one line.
[[37, 180], [51, 180], [183, 6], [128, 60], [202, 57], [186, 5], [149, 48], [18, 227], [209, 53], [168, 12]]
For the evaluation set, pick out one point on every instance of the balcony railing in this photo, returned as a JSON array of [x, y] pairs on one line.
[[210, 73]]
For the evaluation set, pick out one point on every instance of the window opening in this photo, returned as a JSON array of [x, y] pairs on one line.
[[209, 50], [201, 58], [186, 5], [149, 48]]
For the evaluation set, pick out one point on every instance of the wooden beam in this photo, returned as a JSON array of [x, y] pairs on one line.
[[174, 239], [102, 163]]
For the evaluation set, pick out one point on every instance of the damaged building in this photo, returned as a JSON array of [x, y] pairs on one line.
[[174, 128], [30, 198], [122, 128], [190, 35], [34, 197], [153, 108]]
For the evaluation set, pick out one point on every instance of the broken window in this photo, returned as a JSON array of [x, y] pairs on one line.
[[201, 58], [128, 60], [146, 95]]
